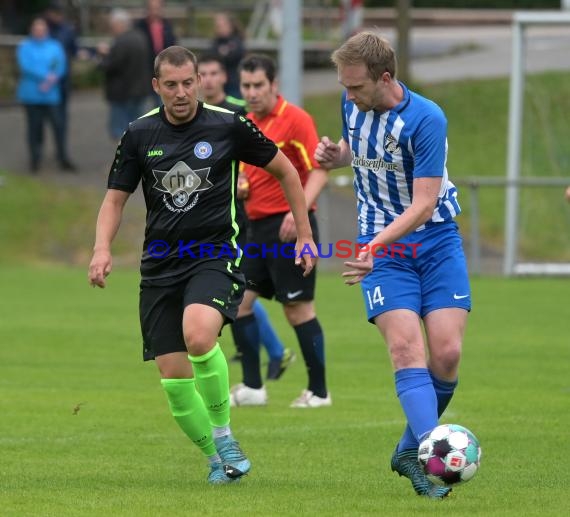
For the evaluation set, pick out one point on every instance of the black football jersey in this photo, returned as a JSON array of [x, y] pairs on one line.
[[232, 106], [189, 179]]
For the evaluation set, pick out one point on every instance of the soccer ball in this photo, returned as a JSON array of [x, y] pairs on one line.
[[450, 454]]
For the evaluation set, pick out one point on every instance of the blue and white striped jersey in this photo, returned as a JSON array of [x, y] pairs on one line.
[[390, 150]]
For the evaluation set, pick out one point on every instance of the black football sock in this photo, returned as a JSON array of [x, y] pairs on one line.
[[246, 336], [312, 343]]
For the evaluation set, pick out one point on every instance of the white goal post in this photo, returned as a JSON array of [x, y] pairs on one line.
[[522, 20]]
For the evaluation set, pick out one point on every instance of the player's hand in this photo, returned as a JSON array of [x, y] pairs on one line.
[[327, 153], [242, 187], [288, 230], [99, 268], [567, 194], [103, 48], [360, 268], [306, 255], [48, 82]]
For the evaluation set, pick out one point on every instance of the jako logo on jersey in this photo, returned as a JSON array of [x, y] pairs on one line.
[[391, 144], [155, 152], [202, 150]]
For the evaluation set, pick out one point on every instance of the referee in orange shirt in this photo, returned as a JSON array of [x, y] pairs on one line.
[[269, 269]]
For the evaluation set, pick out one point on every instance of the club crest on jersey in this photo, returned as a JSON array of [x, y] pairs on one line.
[[391, 144], [202, 150], [180, 182]]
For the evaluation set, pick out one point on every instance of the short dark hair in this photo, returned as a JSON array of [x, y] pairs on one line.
[[55, 5], [254, 62], [212, 57], [176, 56]]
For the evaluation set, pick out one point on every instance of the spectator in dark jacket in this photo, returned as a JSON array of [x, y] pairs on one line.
[[64, 32], [127, 76], [159, 34], [229, 44]]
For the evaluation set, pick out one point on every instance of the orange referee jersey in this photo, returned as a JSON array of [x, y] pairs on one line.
[[294, 132]]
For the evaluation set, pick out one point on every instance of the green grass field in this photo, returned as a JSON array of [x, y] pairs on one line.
[[65, 344]]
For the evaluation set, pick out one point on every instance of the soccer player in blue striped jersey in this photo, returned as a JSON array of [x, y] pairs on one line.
[[396, 142]]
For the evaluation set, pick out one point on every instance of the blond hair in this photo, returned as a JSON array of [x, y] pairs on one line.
[[369, 49]]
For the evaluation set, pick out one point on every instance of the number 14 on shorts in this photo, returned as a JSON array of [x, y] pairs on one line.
[[374, 297]]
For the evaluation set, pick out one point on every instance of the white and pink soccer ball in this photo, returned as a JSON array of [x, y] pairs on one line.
[[450, 454]]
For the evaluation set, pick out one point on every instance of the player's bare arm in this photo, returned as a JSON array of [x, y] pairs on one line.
[[108, 222], [282, 169], [242, 186], [331, 155], [425, 193]]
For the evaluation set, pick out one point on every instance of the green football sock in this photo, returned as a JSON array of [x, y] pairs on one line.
[[211, 371], [189, 411]]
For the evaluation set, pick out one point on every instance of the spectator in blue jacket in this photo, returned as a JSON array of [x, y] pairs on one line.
[[42, 64]]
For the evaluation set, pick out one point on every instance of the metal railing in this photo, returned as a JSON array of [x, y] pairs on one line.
[[474, 184]]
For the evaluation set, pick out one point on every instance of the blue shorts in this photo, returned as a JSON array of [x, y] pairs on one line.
[[422, 272]]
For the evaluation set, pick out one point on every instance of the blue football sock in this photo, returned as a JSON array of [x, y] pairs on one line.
[[408, 440], [419, 402], [444, 391], [269, 339]]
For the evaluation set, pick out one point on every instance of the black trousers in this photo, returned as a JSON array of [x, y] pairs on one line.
[[36, 115]]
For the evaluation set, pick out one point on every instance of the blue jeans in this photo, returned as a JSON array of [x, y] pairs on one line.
[[122, 113]]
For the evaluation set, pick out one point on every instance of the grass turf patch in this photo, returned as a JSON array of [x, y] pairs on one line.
[[67, 345]]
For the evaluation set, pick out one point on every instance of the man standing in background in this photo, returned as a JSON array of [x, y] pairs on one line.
[[229, 43], [64, 32], [127, 76], [159, 34]]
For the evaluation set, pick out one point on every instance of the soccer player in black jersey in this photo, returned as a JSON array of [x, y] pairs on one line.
[[213, 77], [186, 156]]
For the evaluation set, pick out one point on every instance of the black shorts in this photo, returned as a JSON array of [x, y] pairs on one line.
[[161, 307], [269, 266]]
